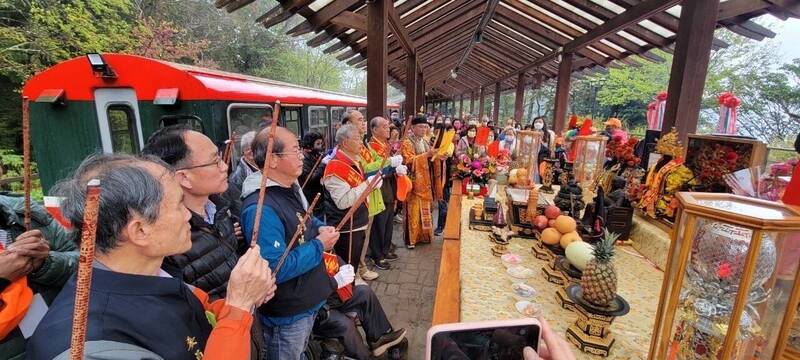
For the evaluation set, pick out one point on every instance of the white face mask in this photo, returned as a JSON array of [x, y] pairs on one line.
[[528, 140], [509, 139], [491, 138], [538, 126]]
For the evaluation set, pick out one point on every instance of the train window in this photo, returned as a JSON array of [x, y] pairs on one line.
[[192, 120], [318, 121], [243, 118], [336, 114], [122, 125], [291, 119]]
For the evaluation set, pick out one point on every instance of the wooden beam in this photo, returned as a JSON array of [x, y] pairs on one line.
[[377, 13], [351, 20], [399, 31], [643, 10], [491, 5], [447, 302], [411, 84], [562, 93], [519, 98], [496, 108], [689, 65]]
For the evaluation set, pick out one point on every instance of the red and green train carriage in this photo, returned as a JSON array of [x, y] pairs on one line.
[[113, 102]]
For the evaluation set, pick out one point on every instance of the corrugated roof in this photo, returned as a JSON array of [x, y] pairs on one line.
[[517, 34]]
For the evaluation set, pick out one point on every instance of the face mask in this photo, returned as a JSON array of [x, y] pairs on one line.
[[491, 138], [538, 126], [528, 140], [509, 139], [471, 133]]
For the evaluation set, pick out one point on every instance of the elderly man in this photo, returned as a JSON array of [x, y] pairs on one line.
[[244, 168], [370, 164], [417, 154], [303, 281], [135, 310], [201, 174], [343, 181], [381, 230], [38, 261]]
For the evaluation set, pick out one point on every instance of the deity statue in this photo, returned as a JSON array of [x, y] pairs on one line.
[[668, 176]]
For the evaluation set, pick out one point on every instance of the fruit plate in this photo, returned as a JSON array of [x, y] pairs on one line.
[[523, 291], [520, 272], [529, 309]]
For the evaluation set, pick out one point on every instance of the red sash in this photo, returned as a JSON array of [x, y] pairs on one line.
[[381, 148], [342, 167], [332, 267]]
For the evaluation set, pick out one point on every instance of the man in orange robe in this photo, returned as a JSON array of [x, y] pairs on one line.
[[417, 154]]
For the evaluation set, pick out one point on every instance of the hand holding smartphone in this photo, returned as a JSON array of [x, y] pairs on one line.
[[489, 340]]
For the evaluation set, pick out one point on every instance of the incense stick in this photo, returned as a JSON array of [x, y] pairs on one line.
[[26, 160], [84, 277], [319, 159], [296, 235], [262, 189]]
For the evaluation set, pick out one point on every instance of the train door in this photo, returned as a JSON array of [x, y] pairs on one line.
[[118, 120], [336, 119], [319, 122]]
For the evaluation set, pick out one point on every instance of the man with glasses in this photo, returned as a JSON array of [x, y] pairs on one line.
[[303, 282], [202, 174]]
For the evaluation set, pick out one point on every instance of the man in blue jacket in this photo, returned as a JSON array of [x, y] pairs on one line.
[[303, 283]]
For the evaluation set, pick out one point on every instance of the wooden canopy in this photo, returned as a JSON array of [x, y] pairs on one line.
[[458, 48]]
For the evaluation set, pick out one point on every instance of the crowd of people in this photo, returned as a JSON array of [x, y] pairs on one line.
[[177, 273]]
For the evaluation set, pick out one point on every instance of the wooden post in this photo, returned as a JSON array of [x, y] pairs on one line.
[[519, 99], [411, 84], [420, 92], [481, 105], [562, 93], [377, 13], [460, 106], [472, 102], [496, 110], [689, 65]]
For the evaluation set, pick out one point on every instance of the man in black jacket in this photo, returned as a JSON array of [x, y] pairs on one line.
[[313, 145], [201, 173]]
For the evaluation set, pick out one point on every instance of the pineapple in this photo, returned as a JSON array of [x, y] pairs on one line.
[[599, 280]]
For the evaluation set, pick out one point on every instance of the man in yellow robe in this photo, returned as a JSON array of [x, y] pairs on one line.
[[417, 154]]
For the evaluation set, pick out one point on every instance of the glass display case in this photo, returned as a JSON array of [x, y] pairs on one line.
[[590, 156], [722, 243], [527, 152]]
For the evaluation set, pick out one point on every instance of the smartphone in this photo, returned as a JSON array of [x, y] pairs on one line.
[[485, 340]]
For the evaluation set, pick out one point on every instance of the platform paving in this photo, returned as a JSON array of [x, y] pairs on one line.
[[408, 289]]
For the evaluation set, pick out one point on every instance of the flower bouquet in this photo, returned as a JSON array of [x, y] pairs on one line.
[[474, 169], [716, 161]]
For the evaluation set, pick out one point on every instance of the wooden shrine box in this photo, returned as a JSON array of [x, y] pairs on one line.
[[517, 203], [722, 243], [749, 153]]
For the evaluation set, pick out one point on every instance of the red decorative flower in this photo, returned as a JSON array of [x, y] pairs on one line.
[[724, 270]]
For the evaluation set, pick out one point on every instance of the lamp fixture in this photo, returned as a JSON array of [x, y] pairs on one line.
[[99, 66]]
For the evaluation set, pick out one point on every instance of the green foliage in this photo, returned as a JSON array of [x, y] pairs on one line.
[[310, 67], [11, 166]]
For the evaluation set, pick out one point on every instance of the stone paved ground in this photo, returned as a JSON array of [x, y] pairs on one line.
[[408, 289]]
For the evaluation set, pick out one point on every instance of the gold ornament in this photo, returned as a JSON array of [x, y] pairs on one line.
[[191, 342], [669, 144]]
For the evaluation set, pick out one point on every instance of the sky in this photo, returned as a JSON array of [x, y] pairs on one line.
[[788, 35]]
